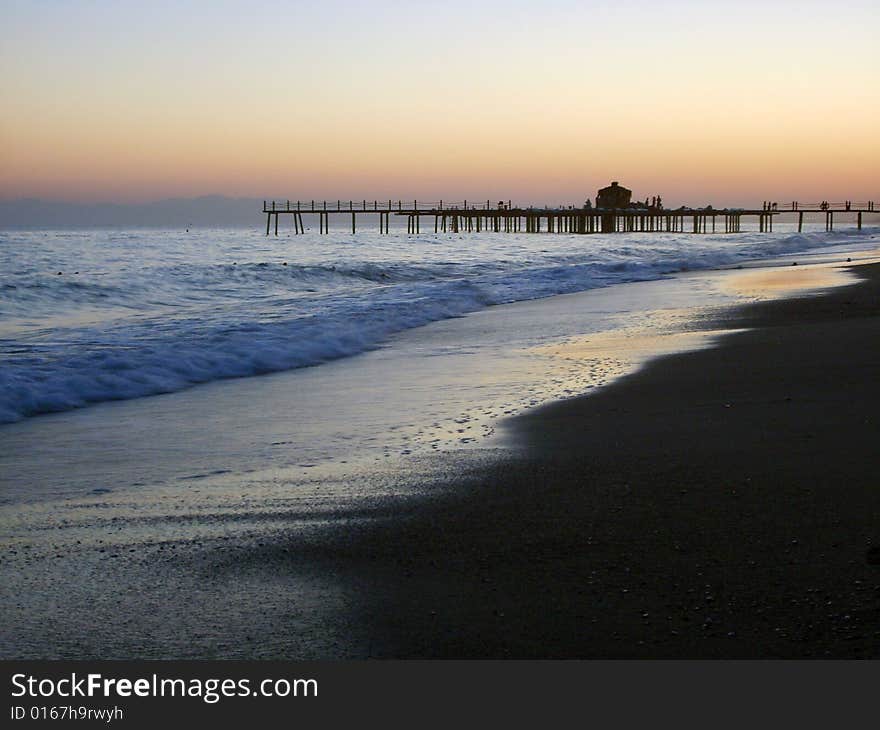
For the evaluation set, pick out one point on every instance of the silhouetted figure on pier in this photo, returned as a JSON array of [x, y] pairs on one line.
[[659, 203], [848, 204], [588, 205]]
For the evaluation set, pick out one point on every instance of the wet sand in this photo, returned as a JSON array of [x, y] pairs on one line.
[[723, 503]]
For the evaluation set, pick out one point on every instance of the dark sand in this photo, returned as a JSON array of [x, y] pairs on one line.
[[716, 504]]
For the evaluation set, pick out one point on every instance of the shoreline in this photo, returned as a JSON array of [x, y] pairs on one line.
[[720, 503]]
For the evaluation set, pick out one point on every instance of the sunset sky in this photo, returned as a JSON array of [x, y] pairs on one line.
[[703, 102]]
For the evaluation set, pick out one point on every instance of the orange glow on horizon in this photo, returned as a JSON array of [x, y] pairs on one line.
[[513, 112]]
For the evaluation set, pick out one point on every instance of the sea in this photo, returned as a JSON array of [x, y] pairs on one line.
[[89, 316], [128, 355]]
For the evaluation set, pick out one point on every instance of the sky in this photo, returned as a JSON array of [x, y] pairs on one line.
[[703, 102]]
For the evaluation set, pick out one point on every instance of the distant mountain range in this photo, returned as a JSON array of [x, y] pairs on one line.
[[209, 210]]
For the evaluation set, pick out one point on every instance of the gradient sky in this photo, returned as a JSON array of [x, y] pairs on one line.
[[703, 102]]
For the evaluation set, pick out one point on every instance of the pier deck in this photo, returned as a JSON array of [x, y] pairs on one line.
[[507, 218]]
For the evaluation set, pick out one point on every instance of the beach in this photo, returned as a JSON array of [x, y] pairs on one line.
[[716, 504], [713, 496]]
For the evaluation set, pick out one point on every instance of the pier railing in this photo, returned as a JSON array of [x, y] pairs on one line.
[[366, 206], [397, 206], [840, 205]]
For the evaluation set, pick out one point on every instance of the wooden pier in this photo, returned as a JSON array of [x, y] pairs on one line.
[[504, 217]]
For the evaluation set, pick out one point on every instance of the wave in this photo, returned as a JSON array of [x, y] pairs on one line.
[[264, 318]]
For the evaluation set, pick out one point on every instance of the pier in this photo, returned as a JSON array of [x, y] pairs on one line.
[[505, 217]]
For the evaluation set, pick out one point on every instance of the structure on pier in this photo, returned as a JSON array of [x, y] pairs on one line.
[[614, 196], [611, 199]]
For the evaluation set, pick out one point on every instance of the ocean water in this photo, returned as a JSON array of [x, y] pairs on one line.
[[89, 316]]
